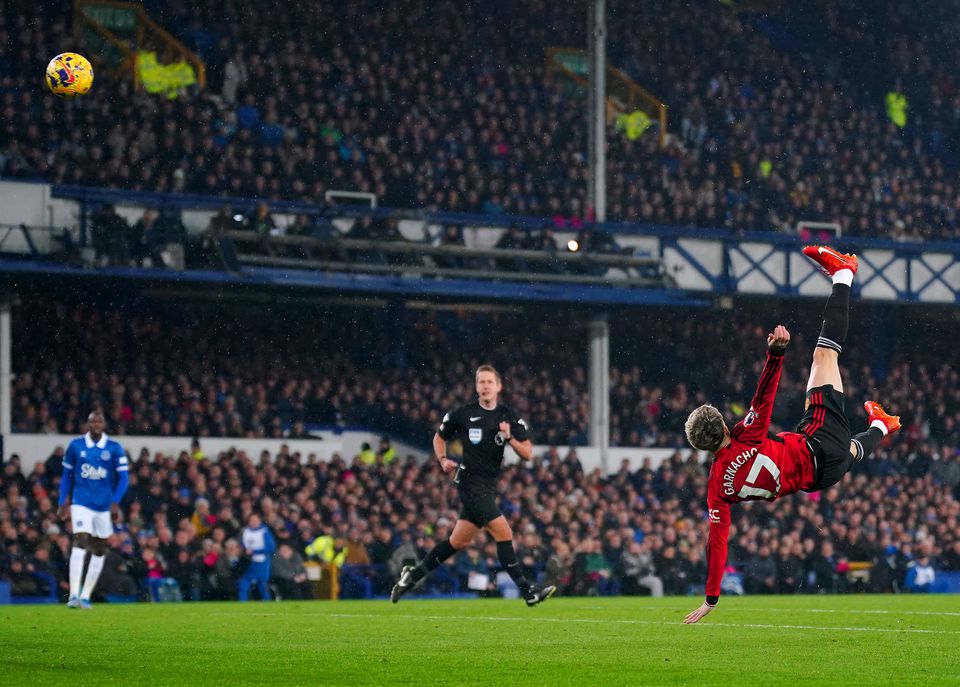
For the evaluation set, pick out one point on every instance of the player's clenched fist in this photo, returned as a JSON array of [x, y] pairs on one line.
[[778, 339]]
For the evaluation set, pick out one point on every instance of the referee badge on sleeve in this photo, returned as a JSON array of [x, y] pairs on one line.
[[475, 435]]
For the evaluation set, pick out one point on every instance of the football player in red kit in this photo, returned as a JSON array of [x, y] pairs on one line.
[[750, 463]]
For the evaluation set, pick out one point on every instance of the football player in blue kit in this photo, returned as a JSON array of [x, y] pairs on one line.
[[95, 478]]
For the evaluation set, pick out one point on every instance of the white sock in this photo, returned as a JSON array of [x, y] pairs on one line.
[[843, 276], [879, 425], [77, 556], [93, 574]]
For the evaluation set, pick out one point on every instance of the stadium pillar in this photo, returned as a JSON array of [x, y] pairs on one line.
[[600, 387], [597, 110], [6, 349]]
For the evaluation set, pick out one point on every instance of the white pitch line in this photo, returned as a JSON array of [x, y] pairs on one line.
[[877, 611], [597, 621], [760, 609]]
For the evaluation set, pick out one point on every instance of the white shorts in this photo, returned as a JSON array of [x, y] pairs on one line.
[[95, 523]]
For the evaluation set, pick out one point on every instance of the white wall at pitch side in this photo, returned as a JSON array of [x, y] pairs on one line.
[[36, 448]]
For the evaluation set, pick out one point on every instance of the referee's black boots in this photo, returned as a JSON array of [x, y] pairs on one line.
[[535, 596], [404, 584]]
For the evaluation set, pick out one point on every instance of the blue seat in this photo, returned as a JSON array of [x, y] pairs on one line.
[[122, 598], [164, 589], [355, 582]]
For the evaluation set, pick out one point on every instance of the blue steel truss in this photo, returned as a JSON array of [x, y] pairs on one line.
[[701, 261]]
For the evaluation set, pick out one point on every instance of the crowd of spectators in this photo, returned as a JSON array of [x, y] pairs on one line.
[[159, 368], [441, 106], [891, 47], [638, 531], [155, 371]]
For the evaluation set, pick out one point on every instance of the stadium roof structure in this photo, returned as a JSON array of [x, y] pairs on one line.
[[655, 264]]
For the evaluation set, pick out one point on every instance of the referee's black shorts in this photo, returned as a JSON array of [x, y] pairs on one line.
[[479, 501], [825, 425]]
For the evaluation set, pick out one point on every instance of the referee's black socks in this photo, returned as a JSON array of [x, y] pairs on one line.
[[508, 559], [438, 554]]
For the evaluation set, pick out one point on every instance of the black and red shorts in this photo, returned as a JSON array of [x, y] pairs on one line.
[[825, 425]]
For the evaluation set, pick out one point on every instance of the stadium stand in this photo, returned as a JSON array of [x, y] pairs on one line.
[[638, 523], [762, 139], [433, 106], [588, 533], [158, 373]]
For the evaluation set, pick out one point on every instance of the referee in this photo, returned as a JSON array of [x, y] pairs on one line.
[[486, 428]]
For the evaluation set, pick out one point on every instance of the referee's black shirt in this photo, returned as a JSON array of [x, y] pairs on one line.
[[479, 430]]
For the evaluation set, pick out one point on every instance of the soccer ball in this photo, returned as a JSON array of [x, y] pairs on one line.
[[69, 75]]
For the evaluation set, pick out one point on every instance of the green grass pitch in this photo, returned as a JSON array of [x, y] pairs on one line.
[[821, 640]]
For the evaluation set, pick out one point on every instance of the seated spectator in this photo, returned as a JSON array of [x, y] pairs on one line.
[[354, 550], [152, 565], [951, 557], [202, 519], [261, 221], [22, 581], [452, 236], [42, 562], [670, 568], [150, 240], [533, 554], [363, 229], [407, 553], [472, 572], [559, 568], [512, 239], [590, 568], [184, 569], [113, 241], [220, 570], [121, 572], [760, 572], [636, 571], [387, 230], [789, 573], [172, 235], [289, 577], [822, 570], [544, 242]]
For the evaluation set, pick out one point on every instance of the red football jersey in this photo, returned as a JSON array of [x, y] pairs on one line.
[[755, 465]]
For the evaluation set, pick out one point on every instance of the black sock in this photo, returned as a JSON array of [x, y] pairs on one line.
[[866, 442], [835, 319], [508, 558], [438, 554]]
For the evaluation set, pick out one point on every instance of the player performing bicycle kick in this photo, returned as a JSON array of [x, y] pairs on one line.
[[750, 463]]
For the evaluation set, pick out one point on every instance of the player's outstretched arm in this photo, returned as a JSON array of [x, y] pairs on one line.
[[753, 428], [718, 513]]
